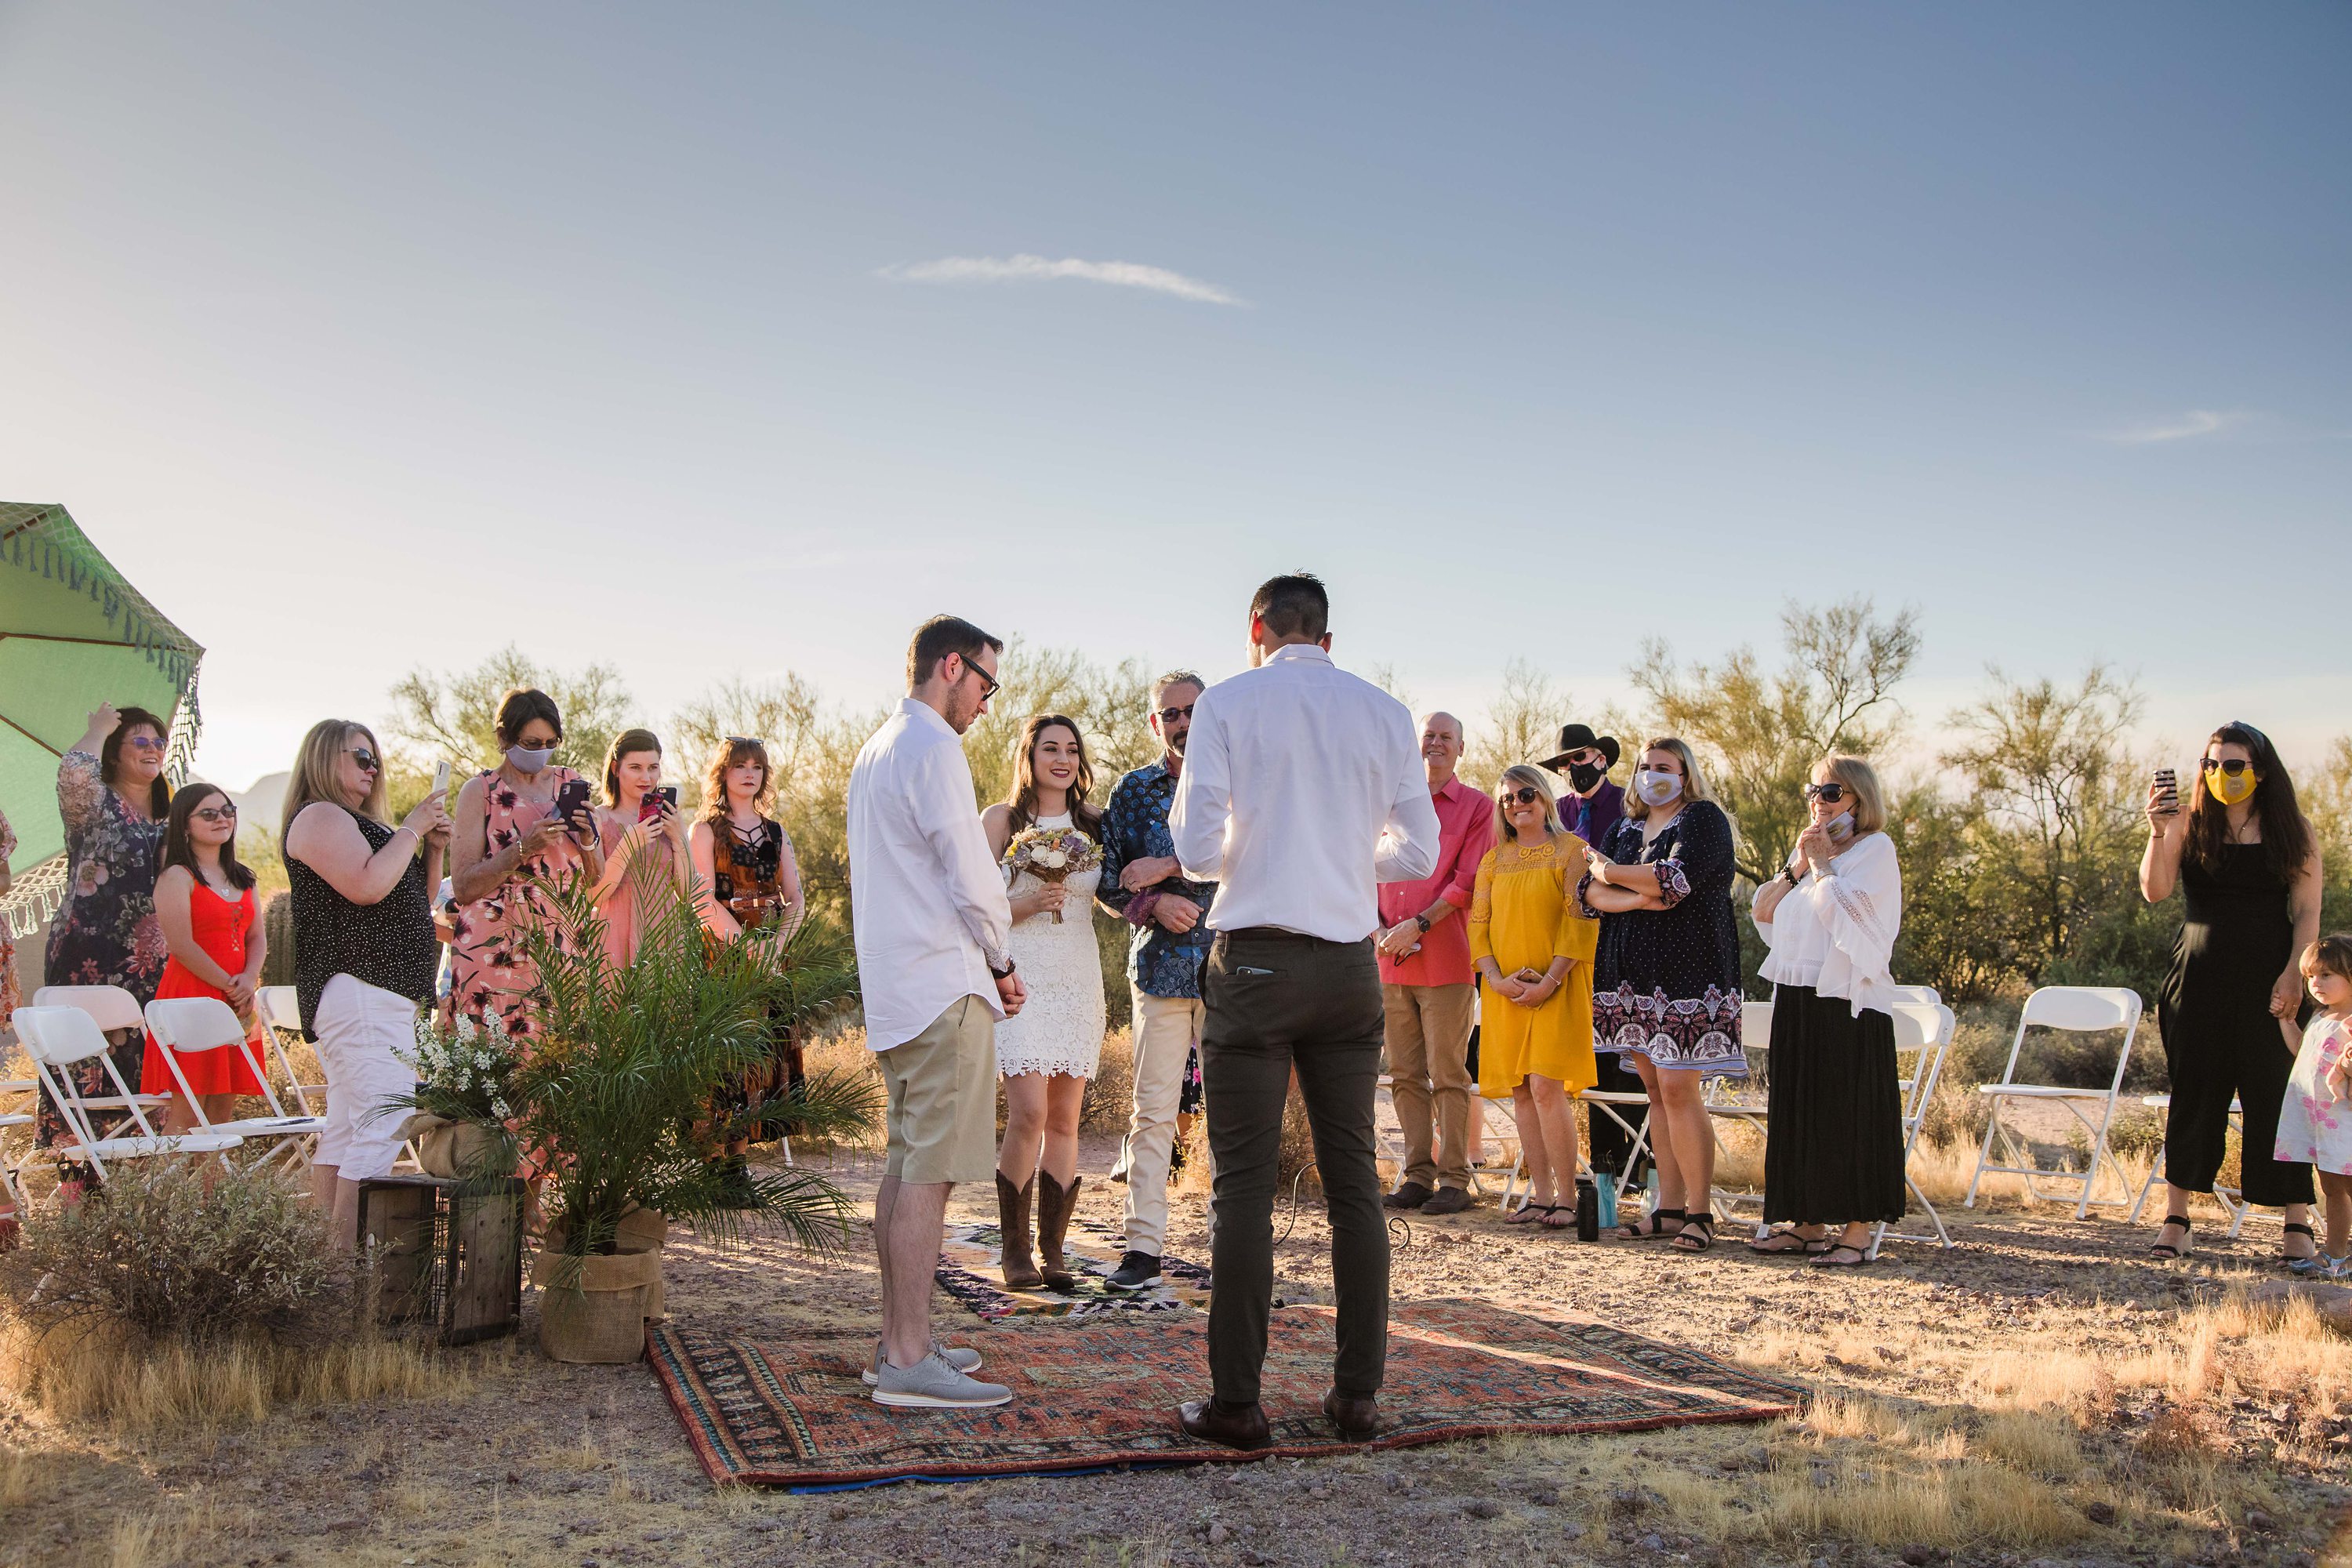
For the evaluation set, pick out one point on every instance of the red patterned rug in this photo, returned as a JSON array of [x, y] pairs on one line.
[[1091, 1396]]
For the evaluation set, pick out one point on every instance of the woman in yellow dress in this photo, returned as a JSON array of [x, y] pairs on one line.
[[1533, 948]]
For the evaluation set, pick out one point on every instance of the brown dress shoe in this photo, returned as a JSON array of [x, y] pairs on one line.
[[1358, 1417], [1012, 1231], [1240, 1428], [1449, 1200], [1411, 1195]]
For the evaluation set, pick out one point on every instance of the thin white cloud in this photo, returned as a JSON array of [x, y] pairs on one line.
[[1039, 268], [2188, 427]]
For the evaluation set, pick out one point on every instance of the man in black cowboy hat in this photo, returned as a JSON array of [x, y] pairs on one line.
[[1589, 809], [1592, 806]]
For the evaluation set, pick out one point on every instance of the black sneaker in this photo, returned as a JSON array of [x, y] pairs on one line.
[[1135, 1272], [1411, 1195]]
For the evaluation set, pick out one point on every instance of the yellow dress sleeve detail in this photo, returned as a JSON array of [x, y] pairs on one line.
[[1579, 937], [1482, 910]]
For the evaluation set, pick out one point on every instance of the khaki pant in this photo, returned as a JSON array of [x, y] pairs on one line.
[[1428, 1033], [1165, 1030], [941, 1086]]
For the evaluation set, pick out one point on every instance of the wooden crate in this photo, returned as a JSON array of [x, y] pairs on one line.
[[444, 1254]]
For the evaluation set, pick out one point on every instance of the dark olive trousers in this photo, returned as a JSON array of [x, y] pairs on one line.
[[1278, 1000]]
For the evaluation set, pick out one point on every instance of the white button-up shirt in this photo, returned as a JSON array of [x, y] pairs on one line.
[[926, 896], [1303, 788]]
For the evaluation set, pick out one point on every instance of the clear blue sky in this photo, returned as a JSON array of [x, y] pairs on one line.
[[362, 337]]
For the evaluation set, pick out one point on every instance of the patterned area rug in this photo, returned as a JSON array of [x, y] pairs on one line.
[[1096, 1395], [968, 1271]]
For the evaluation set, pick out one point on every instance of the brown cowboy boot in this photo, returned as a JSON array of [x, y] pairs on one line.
[[1055, 1204], [1013, 1227]]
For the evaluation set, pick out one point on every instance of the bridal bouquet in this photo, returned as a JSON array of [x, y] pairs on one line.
[[1051, 855]]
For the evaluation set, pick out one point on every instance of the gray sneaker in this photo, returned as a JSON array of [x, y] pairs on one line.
[[931, 1384], [960, 1357]]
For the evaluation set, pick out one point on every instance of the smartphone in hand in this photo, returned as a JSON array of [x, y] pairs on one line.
[[2167, 784], [571, 799], [650, 806], [441, 778]]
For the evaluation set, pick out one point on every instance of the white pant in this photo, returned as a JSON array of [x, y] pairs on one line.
[[358, 1028], [1166, 1030]]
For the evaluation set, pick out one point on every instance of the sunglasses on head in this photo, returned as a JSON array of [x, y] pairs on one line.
[[215, 814], [1828, 794], [2232, 766], [1526, 794], [367, 759], [1169, 715]]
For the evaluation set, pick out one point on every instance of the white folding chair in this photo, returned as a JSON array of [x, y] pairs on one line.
[[2228, 1197], [57, 1039], [1926, 1031], [1745, 1103], [2081, 1009], [110, 1007], [281, 1015], [187, 1024]]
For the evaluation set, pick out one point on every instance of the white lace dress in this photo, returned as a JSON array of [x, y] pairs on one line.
[[1060, 1030]]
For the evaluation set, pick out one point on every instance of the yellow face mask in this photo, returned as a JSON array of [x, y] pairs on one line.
[[2230, 788]]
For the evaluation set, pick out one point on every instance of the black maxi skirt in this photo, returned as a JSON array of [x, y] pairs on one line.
[[1834, 1153]]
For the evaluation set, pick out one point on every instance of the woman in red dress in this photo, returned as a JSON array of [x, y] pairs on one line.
[[212, 923]]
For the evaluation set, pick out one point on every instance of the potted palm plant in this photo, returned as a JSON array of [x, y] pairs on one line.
[[616, 1097]]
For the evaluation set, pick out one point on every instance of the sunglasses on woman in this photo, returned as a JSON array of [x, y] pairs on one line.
[[215, 814], [1827, 793], [367, 760], [1523, 795], [2232, 766], [144, 743]]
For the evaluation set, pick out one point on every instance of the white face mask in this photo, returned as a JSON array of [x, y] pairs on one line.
[[1656, 786], [528, 761], [1839, 827]]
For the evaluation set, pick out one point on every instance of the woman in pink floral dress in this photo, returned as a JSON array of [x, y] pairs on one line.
[[507, 840], [112, 797]]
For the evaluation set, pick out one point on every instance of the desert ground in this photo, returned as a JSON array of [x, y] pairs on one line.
[[2042, 1393]]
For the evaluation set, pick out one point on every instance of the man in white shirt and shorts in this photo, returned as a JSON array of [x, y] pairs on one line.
[[931, 927]]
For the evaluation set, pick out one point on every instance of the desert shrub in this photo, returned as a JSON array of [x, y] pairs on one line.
[[2138, 1131], [1956, 1114], [1109, 1103], [174, 1253]]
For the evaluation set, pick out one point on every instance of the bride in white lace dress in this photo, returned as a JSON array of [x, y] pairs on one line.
[[1047, 1051]]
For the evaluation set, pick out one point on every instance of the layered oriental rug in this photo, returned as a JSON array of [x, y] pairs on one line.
[[1100, 1395], [968, 1272]]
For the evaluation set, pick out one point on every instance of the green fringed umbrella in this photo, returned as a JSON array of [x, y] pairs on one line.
[[73, 635]]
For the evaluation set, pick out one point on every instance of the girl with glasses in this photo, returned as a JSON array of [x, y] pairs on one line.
[[2247, 864], [1834, 1153], [212, 924], [113, 799]]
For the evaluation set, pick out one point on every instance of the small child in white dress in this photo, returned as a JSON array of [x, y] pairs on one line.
[[2316, 1122]]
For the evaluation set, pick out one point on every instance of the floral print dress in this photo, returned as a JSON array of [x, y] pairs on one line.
[[2315, 1128], [8, 994], [489, 969], [105, 932]]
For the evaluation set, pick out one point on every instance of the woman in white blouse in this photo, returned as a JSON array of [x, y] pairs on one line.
[[1835, 1151]]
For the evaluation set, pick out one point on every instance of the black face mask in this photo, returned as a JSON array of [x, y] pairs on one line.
[[1582, 777]]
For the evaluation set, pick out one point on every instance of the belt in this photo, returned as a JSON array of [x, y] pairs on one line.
[[1279, 933]]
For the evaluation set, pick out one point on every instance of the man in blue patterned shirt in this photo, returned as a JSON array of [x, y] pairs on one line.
[[1142, 885]]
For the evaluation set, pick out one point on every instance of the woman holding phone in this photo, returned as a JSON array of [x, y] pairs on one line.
[[2247, 863], [644, 842], [520, 823]]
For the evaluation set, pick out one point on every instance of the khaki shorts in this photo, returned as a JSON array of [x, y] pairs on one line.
[[942, 1084]]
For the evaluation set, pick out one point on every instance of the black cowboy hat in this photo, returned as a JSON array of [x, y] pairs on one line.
[[1576, 738]]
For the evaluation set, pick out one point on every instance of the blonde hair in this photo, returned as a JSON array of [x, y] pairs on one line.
[[315, 763], [1529, 774], [1693, 780], [1869, 798]]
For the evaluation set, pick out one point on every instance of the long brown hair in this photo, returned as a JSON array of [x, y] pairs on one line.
[[110, 756], [179, 851], [2287, 837], [1020, 796], [627, 743], [733, 751]]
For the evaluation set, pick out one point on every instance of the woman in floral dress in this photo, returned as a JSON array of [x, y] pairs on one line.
[[506, 840], [8, 998], [112, 797]]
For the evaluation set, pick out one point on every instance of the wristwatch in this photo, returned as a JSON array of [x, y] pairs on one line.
[[997, 974], [1423, 921]]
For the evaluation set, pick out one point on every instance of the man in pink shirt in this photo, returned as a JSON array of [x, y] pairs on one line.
[[1426, 984]]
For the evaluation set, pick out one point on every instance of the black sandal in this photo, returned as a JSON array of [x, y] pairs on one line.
[[1633, 1231], [2166, 1249], [2294, 1228], [1701, 1222], [1807, 1245], [1829, 1258]]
